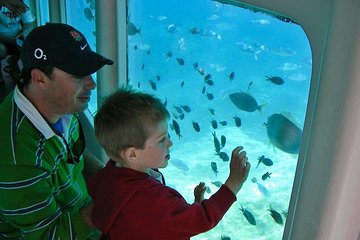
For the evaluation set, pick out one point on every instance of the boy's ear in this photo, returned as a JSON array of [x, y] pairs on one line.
[[129, 154]]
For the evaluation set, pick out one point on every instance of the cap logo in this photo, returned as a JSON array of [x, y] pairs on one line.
[[39, 54], [76, 35], [83, 47]]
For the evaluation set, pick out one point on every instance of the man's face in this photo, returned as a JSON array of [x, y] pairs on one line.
[[67, 93]]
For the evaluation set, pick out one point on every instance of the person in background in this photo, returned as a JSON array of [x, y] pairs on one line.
[[16, 21], [43, 192], [129, 200]]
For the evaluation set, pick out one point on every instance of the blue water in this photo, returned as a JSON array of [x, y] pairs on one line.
[[228, 39]]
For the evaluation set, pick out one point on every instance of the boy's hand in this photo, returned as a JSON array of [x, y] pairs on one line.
[[239, 170], [199, 192]]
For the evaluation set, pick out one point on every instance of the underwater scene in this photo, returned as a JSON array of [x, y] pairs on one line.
[[229, 76]]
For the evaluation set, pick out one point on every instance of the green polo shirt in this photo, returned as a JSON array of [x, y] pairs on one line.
[[40, 194]]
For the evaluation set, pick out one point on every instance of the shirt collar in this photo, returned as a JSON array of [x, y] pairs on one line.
[[34, 116]]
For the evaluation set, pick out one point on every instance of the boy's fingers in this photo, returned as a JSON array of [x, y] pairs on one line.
[[236, 151]]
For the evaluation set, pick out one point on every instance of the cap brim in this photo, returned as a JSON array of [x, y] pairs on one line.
[[86, 64]]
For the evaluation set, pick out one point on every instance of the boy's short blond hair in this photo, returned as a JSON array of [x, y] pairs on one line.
[[126, 119]]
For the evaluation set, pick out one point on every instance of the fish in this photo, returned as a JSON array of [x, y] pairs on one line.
[[213, 17], [245, 102], [210, 33], [232, 76], [180, 61], [225, 237], [254, 48], [248, 215], [289, 66], [180, 164], [181, 44], [207, 77], [196, 126], [207, 189], [223, 156], [222, 141], [203, 90], [132, 29], [217, 183], [276, 216], [216, 143], [169, 54], [284, 212], [178, 109], [212, 111], [195, 65], [186, 108], [214, 168], [214, 124], [89, 14], [223, 123], [210, 96], [157, 77], [261, 187], [195, 30], [249, 85], [161, 18], [237, 121], [297, 77], [283, 133], [182, 84], [182, 116], [91, 3], [261, 21], [275, 80], [176, 128], [171, 28], [265, 161], [282, 51], [201, 70], [265, 176], [209, 82], [152, 84]]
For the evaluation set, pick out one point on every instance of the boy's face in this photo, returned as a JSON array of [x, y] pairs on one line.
[[157, 148]]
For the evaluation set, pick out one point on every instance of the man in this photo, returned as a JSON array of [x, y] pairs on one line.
[[43, 193]]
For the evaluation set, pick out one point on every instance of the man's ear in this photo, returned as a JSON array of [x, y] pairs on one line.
[[38, 77], [129, 154]]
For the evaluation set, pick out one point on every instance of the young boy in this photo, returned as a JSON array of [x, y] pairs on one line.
[[129, 200]]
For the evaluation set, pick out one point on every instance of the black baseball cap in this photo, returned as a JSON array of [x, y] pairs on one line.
[[61, 46]]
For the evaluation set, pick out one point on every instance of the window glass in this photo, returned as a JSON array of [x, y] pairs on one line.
[[81, 15], [44, 11], [227, 74]]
